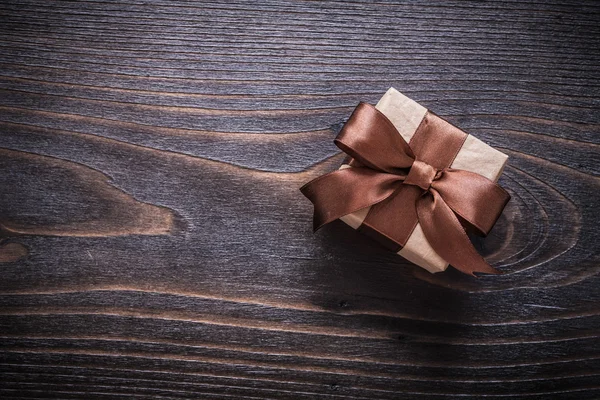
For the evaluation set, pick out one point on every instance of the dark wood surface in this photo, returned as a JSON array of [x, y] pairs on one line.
[[154, 243]]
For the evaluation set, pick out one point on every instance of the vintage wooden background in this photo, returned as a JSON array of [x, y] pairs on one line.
[[154, 243]]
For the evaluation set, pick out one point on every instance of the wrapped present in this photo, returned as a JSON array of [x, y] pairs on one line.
[[415, 183]]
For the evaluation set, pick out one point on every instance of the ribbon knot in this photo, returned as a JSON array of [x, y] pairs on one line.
[[422, 175], [390, 176]]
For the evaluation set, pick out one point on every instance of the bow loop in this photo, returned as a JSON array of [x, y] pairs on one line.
[[370, 138], [476, 199]]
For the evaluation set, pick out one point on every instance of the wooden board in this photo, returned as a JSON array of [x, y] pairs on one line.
[[154, 243]]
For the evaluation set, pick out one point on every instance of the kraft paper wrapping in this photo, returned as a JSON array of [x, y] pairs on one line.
[[474, 156]]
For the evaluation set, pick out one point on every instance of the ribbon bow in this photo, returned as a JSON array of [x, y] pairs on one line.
[[404, 189]]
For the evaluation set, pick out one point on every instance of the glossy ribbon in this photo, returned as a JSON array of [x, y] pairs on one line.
[[406, 185]]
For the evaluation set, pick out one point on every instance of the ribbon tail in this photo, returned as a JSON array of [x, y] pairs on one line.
[[347, 190], [447, 237]]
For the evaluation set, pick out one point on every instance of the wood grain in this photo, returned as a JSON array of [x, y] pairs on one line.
[[154, 244]]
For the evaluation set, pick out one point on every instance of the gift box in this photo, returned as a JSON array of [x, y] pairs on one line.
[[436, 177]]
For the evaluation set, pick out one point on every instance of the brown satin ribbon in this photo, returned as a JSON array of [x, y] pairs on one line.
[[409, 184]]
